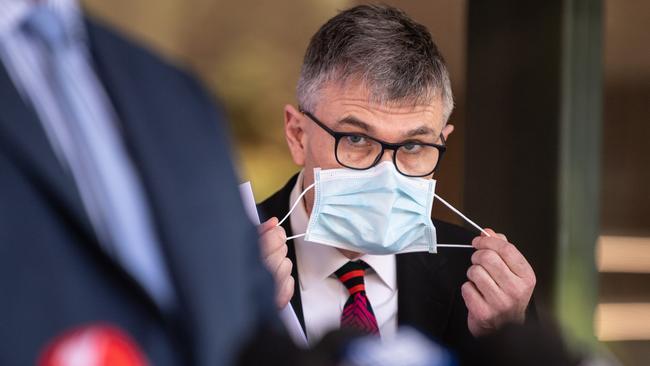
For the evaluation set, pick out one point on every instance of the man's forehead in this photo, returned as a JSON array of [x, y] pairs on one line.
[[339, 101]]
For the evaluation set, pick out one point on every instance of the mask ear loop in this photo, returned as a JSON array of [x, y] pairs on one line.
[[464, 218], [295, 204]]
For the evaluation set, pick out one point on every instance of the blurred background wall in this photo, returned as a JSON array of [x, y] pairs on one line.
[[248, 53], [623, 313]]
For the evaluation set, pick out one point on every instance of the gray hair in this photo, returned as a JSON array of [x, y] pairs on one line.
[[380, 46]]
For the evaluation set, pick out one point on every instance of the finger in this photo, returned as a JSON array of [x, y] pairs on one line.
[[485, 284], [508, 252], [272, 240], [495, 234], [283, 271], [285, 293], [493, 241], [496, 268], [476, 304], [266, 225], [274, 259], [489, 233]]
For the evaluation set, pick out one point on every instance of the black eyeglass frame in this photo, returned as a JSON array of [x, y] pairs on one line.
[[384, 146]]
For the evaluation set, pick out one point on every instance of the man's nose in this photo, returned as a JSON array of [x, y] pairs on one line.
[[386, 156]]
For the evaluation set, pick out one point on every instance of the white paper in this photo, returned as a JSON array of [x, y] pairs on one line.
[[291, 322], [247, 197], [287, 315]]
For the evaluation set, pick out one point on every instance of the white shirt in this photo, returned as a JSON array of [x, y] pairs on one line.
[[323, 295]]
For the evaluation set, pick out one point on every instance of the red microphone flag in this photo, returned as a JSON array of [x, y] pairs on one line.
[[94, 345]]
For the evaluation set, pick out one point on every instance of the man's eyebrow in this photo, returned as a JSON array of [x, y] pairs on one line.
[[419, 131], [354, 121], [367, 128]]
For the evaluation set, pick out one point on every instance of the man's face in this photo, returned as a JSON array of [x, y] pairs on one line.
[[347, 109]]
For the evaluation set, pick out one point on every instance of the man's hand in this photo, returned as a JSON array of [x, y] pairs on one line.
[[274, 254], [500, 284]]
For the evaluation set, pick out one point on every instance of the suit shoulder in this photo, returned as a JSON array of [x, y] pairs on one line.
[[169, 93], [144, 64]]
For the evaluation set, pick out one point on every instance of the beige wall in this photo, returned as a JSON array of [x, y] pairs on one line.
[[624, 295], [626, 133]]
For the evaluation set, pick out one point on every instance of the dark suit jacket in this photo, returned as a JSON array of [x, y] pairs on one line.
[[54, 274], [429, 297]]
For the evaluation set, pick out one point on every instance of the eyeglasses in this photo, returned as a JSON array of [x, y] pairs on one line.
[[359, 151]]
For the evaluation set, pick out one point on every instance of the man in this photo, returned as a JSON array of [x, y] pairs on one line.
[[118, 202], [372, 77]]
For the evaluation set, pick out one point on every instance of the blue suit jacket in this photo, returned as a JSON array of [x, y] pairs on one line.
[[53, 273]]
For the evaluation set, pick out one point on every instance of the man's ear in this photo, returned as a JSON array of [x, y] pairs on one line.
[[447, 130], [295, 134]]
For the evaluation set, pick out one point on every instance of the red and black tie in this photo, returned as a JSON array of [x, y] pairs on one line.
[[357, 312]]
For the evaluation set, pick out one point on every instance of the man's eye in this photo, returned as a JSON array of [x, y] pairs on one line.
[[356, 140], [411, 148]]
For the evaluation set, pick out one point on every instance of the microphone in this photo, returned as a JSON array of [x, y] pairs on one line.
[[93, 345], [406, 347]]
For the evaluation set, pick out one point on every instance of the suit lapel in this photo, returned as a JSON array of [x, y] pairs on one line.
[[425, 298], [22, 136], [154, 143], [186, 172], [112, 68]]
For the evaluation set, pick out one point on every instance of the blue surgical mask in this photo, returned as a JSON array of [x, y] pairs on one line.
[[375, 211]]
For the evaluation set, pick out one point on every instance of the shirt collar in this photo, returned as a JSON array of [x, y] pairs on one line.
[[316, 262], [14, 12]]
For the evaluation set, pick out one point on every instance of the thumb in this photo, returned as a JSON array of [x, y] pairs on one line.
[[268, 224]]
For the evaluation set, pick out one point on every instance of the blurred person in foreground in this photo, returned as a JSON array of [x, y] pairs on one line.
[[122, 235], [369, 131]]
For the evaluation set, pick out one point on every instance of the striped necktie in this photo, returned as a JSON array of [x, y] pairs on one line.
[[357, 312]]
